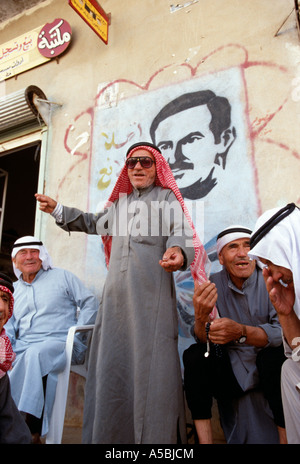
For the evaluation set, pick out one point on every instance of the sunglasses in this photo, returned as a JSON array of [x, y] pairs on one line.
[[145, 162]]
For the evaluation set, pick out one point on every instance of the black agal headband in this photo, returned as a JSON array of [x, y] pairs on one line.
[[24, 244], [141, 144], [232, 230], [267, 226]]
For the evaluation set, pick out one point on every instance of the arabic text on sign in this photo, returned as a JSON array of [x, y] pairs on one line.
[[54, 38]]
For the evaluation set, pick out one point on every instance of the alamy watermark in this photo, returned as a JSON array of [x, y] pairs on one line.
[[151, 219]]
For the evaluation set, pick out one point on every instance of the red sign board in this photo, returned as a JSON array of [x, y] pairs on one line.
[[93, 15], [54, 38]]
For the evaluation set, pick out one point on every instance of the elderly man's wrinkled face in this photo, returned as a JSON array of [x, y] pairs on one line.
[[4, 308], [28, 261], [140, 177], [234, 257]]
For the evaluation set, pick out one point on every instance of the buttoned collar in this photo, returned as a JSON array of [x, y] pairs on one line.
[[247, 284]]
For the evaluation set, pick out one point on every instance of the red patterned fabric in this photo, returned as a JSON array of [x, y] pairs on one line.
[[7, 355], [165, 179]]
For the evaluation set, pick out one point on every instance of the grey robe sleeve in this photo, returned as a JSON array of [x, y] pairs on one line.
[[75, 220], [272, 327]]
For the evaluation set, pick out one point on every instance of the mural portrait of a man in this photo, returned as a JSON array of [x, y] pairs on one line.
[[194, 133]]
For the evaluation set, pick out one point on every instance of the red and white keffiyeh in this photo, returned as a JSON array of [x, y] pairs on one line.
[[165, 179], [7, 355]]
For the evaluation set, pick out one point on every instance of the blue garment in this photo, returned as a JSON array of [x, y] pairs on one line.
[[43, 313], [250, 306], [249, 418]]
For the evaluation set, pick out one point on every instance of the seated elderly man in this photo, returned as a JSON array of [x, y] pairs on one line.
[[237, 352], [46, 303]]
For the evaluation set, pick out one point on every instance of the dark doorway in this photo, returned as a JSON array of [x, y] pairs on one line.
[[22, 168]]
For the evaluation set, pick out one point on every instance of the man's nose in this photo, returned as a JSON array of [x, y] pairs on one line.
[[30, 254], [243, 251], [171, 157], [138, 165], [175, 155]]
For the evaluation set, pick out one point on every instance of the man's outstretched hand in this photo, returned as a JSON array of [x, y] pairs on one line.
[[47, 204]]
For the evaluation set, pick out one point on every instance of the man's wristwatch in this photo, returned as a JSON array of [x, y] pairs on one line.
[[243, 337]]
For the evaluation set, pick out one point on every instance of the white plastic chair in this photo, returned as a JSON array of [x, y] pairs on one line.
[[56, 425]]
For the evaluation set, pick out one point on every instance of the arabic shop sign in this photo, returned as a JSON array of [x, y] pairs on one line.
[[93, 15], [23, 53], [20, 54], [54, 38]]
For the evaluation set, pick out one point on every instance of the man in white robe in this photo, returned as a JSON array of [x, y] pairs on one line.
[[276, 243], [47, 300]]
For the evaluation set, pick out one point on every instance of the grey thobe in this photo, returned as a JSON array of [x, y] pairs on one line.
[[251, 419], [134, 388]]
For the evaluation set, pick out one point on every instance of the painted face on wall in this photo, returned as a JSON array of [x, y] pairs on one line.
[[139, 176], [186, 141]]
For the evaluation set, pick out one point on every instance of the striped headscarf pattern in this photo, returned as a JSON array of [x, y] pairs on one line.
[[164, 179], [7, 355]]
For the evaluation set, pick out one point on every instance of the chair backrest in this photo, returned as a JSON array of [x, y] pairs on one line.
[[54, 435], [82, 369]]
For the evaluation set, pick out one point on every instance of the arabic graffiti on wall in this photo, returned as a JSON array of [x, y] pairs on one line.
[[220, 181]]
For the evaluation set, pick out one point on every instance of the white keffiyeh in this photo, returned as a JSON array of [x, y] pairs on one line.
[[232, 233], [281, 246], [35, 244]]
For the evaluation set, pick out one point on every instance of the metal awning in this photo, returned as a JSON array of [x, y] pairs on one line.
[[20, 110]]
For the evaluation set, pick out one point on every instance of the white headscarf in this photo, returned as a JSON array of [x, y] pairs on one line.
[[231, 233], [281, 245], [35, 244]]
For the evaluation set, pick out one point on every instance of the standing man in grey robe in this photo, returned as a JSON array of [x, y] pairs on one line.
[[134, 388], [238, 353]]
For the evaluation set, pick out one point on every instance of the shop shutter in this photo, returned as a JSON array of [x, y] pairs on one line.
[[20, 110]]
